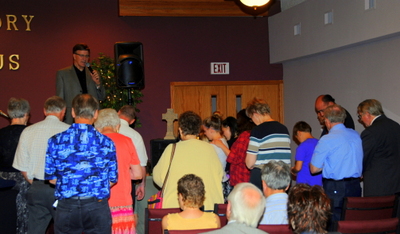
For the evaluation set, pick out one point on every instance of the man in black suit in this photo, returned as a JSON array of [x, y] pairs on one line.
[[381, 146], [78, 79], [321, 103]]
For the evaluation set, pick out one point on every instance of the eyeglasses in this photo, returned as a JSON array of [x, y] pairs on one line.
[[83, 55], [321, 111], [360, 115]]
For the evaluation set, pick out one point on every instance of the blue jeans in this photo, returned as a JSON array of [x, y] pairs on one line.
[[89, 216]]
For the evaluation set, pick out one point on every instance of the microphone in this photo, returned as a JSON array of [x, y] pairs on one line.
[[89, 67], [4, 114]]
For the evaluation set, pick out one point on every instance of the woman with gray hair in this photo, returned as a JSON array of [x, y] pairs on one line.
[[120, 201], [18, 111]]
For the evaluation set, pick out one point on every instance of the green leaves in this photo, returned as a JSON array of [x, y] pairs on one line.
[[115, 96]]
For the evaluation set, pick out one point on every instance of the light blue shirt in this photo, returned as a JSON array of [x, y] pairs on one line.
[[339, 154], [276, 209]]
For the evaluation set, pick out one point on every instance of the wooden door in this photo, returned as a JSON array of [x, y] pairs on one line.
[[272, 92], [198, 97]]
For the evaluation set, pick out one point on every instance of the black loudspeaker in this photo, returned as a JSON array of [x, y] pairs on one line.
[[129, 64], [157, 148]]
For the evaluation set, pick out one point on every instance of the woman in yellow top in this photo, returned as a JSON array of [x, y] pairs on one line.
[[191, 195], [192, 156]]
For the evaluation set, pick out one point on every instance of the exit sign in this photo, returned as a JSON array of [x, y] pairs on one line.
[[219, 68]]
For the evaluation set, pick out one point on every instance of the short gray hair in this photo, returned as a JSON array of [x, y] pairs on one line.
[[276, 174], [18, 108], [335, 113], [85, 106], [107, 118], [372, 106], [54, 104], [247, 204]]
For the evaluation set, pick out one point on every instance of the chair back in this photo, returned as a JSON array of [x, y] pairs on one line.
[[194, 231], [368, 226], [220, 210], [153, 219], [368, 208], [276, 228]]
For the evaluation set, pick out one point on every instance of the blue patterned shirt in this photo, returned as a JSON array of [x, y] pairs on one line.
[[83, 161]]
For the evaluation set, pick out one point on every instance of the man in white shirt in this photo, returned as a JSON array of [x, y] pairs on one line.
[[128, 117], [30, 160]]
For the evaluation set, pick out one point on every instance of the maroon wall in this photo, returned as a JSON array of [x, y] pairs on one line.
[[175, 49]]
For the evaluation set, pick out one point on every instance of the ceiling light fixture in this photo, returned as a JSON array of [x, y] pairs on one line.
[[254, 7]]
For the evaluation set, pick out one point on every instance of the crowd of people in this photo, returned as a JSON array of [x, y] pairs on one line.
[[69, 173], [89, 165], [65, 169], [76, 166], [332, 167]]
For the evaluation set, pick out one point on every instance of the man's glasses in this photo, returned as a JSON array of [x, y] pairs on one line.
[[83, 55]]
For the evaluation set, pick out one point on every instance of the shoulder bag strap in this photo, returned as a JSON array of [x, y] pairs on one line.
[[169, 167]]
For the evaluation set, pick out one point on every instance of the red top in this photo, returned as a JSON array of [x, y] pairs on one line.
[[126, 156], [237, 158]]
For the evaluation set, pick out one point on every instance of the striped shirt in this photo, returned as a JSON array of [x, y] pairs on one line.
[[270, 141], [276, 209]]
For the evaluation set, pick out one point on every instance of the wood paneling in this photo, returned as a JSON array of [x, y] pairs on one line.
[[197, 96], [198, 99], [180, 8], [268, 92]]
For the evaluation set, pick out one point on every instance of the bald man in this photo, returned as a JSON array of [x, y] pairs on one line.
[[321, 103]]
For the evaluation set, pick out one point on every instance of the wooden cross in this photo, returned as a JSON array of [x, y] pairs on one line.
[[170, 117]]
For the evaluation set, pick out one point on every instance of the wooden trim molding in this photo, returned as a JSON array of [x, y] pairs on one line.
[[225, 83], [184, 8]]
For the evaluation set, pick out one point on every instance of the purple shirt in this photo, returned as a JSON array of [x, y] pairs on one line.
[[304, 153]]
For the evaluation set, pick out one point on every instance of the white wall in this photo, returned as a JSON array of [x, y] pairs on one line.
[[351, 74], [352, 24], [286, 4]]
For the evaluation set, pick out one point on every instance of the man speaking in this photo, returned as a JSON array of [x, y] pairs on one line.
[[78, 79]]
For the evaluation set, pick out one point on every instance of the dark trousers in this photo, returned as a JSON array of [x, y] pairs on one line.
[[255, 177], [89, 216], [40, 199], [8, 210], [338, 190], [133, 192]]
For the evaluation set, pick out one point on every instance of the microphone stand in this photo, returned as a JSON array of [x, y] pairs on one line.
[[129, 97]]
